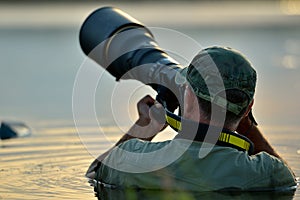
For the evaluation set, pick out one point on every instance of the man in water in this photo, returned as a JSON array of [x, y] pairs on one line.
[[216, 155]]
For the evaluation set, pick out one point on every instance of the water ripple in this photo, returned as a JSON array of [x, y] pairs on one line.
[[31, 168]]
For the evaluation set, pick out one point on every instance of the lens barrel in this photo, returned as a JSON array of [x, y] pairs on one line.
[[127, 49]]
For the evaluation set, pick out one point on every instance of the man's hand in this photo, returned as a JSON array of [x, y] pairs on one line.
[[146, 127], [246, 124], [143, 107], [248, 128]]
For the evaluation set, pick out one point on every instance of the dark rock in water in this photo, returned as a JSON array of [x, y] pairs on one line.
[[13, 129]]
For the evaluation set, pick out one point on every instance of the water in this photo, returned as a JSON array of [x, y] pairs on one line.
[[37, 72], [45, 166]]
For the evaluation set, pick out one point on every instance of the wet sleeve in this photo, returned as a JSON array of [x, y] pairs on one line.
[[128, 157], [278, 175], [282, 176]]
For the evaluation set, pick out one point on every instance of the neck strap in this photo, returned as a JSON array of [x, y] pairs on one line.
[[226, 138]]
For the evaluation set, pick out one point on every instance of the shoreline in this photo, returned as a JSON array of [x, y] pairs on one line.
[[179, 14]]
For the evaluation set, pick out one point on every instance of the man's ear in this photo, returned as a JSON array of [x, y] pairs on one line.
[[190, 102], [249, 108]]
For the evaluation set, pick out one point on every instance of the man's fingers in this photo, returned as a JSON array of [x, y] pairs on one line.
[[147, 100], [157, 113], [143, 106]]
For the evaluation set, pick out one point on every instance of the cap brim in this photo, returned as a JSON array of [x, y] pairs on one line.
[[180, 77]]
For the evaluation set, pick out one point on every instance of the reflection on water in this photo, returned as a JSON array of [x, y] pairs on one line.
[[46, 165], [166, 195]]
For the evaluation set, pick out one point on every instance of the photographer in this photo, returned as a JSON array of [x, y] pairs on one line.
[[224, 167]]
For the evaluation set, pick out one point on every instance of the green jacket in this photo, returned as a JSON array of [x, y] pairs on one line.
[[176, 165]]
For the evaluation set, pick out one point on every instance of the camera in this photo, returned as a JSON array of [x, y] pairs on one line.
[[127, 50]]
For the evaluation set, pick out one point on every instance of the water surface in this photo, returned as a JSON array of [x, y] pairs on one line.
[[37, 72]]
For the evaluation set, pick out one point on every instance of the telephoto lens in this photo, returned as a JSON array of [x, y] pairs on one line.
[[127, 50]]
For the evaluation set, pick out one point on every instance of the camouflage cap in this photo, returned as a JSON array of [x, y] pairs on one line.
[[217, 69]]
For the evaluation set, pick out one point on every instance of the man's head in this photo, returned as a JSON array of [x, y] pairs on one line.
[[224, 79]]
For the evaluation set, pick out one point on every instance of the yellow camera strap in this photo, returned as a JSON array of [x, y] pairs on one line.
[[229, 139]]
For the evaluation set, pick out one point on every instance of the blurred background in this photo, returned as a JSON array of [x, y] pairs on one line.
[[40, 52], [40, 56]]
